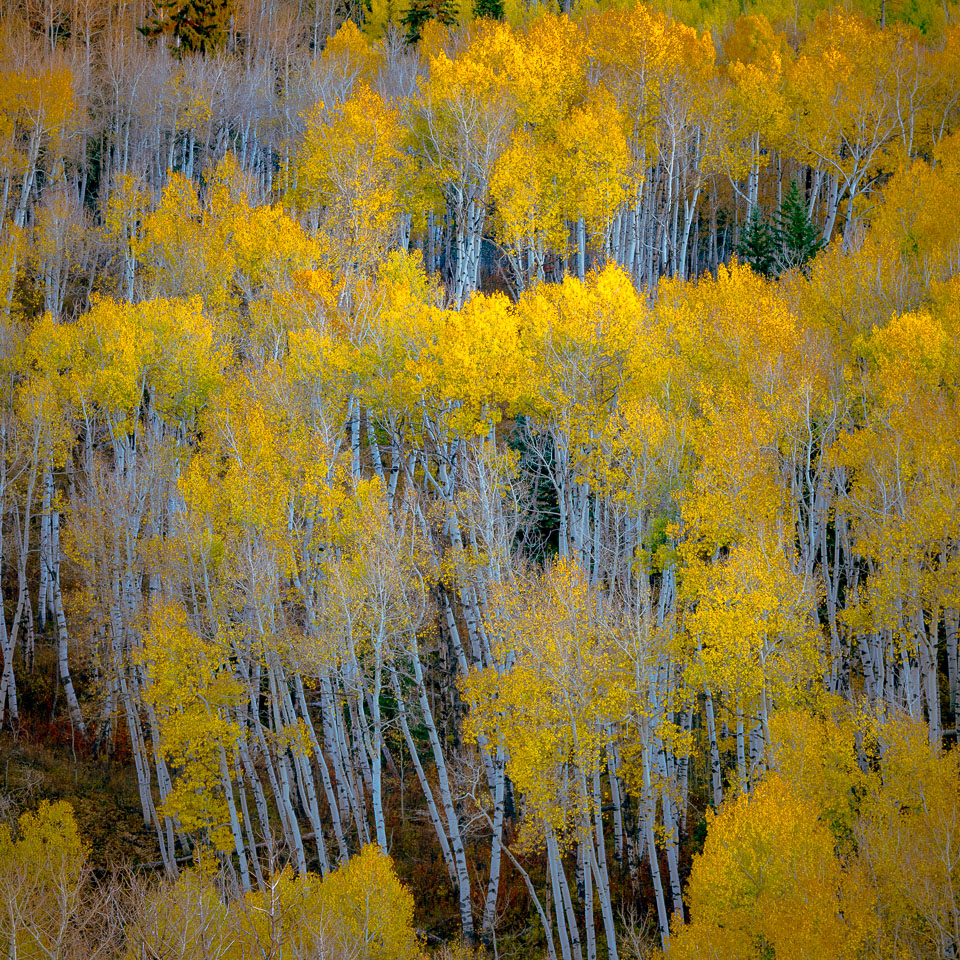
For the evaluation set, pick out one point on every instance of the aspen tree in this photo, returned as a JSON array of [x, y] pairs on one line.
[[547, 706], [42, 873], [353, 166], [768, 879], [463, 116]]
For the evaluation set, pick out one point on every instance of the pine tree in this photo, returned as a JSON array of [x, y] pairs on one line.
[[193, 26], [491, 9], [756, 245], [423, 10], [796, 239]]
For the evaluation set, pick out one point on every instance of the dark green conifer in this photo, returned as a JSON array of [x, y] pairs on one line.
[[193, 26], [756, 244], [491, 9], [796, 237], [420, 11]]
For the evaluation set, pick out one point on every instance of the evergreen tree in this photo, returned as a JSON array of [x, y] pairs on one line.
[[491, 9], [193, 26], [756, 245], [796, 239], [421, 11]]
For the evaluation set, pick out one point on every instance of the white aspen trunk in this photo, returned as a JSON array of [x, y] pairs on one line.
[[595, 544], [432, 810], [757, 752], [831, 579], [531, 890], [430, 256], [479, 211], [353, 414], [950, 618], [62, 660], [689, 212], [672, 839], [554, 867], [376, 754], [8, 685], [234, 821], [674, 243], [886, 653], [460, 281], [647, 825], [304, 774], [374, 449], [753, 183], [573, 928], [30, 170], [651, 228], [332, 803], [294, 836], [248, 825], [815, 192], [280, 778], [453, 632], [164, 785], [833, 203], [331, 738], [927, 655], [684, 770], [359, 739], [129, 267], [583, 532], [133, 721], [309, 800], [634, 856], [615, 798], [559, 476], [667, 208], [597, 862], [259, 798], [581, 248], [394, 466], [741, 751], [44, 593], [469, 240], [908, 689], [588, 922], [873, 686], [633, 237], [852, 190], [446, 798], [614, 244], [343, 761], [496, 842]]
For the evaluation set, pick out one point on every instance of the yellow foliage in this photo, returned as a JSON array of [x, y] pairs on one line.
[[191, 689], [909, 841], [595, 175], [41, 878], [561, 678], [768, 881], [366, 907], [352, 163], [360, 911], [166, 348], [750, 621], [816, 756]]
